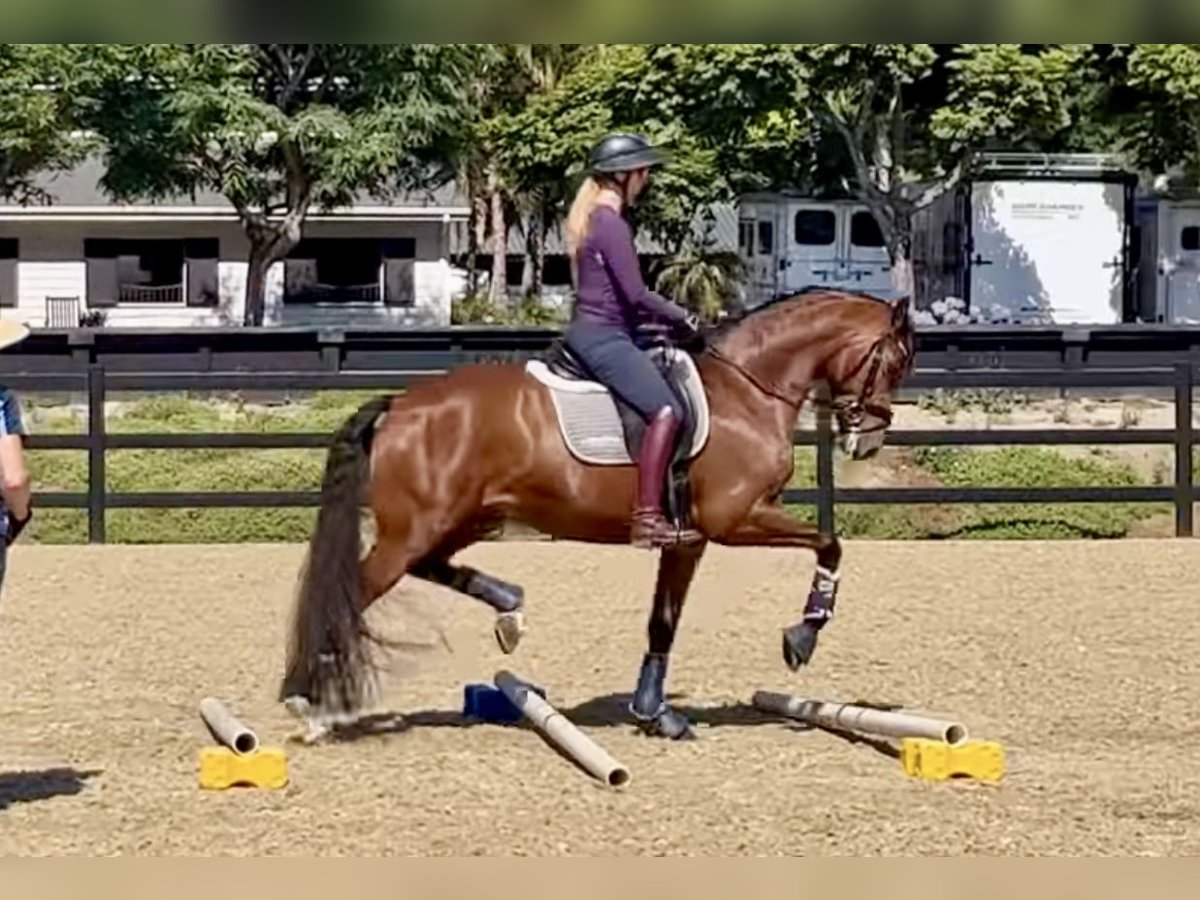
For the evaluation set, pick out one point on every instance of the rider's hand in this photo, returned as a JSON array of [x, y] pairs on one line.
[[16, 526], [691, 334]]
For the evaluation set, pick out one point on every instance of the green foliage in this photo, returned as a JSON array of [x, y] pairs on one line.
[[1149, 93], [1011, 93], [479, 309], [710, 104], [273, 126], [949, 403], [1036, 467], [35, 124], [702, 280]]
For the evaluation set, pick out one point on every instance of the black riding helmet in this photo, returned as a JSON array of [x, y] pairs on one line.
[[623, 153]]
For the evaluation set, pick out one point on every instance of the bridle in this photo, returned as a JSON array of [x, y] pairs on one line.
[[851, 410], [854, 411]]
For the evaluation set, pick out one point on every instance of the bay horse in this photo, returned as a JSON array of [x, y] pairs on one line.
[[444, 463]]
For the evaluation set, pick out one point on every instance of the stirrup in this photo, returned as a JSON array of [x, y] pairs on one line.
[[651, 530]]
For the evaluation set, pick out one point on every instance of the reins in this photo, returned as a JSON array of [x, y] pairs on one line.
[[856, 407], [753, 379]]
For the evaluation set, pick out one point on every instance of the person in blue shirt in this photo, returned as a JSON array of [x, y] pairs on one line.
[[15, 496]]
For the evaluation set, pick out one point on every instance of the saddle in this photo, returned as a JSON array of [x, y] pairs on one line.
[[600, 428]]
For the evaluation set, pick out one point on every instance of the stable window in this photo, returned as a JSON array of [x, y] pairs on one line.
[[350, 271], [9, 253], [1189, 238], [134, 270], [815, 227]]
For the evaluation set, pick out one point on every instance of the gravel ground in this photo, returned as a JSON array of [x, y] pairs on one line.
[[1079, 657]]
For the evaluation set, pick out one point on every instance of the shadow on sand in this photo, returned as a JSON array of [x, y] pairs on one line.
[[34, 786], [608, 711]]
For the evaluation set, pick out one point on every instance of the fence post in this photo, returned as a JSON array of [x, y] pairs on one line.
[[97, 443], [1183, 450], [825, 485]]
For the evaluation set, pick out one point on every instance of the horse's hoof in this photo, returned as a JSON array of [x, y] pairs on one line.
[[799, 642], [669, 724], [314, 730], [298, 705], [510, 626]]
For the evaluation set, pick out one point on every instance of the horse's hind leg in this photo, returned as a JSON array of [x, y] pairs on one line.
[[508, 600]]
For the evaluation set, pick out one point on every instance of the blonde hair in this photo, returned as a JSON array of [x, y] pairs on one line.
[[580, 214]]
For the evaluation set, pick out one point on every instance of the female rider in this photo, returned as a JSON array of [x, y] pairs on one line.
[[611, 301]]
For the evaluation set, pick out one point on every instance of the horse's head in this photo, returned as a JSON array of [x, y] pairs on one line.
[[863, 376]]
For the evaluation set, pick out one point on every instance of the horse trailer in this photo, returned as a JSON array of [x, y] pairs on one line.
[[1168, 274], [1033, 240], [789, 242]]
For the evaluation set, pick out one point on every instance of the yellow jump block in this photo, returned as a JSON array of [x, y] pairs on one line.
[[221, 768], [939, 761]]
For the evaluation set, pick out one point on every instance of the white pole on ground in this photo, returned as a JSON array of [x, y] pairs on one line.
[[561, 731]]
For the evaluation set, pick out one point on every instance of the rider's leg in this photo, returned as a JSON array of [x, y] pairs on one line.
[[616, 361], [650, 526]]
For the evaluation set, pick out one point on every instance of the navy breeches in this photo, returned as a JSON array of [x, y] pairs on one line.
[[625, 369]]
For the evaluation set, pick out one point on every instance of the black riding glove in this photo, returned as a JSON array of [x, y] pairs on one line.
[[16, 526], [690, 336]]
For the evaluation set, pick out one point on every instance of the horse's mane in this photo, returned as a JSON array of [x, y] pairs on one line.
[[806, 294]]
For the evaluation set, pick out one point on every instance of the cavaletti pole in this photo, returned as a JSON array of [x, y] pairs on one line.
[[860, 718], [561, 731]]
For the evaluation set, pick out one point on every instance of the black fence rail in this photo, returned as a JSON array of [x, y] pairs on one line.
[[98, 382]]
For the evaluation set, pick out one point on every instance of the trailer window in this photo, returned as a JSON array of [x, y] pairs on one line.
[[864, 230], [815, 227], [746, 237], [766, 239], [1189, 238]]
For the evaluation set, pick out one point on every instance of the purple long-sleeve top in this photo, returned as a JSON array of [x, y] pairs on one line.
[[610, 289]]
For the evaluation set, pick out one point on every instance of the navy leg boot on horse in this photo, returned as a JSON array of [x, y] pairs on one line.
[[650, 525]]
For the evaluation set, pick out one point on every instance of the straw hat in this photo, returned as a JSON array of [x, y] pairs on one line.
[[12, 332]]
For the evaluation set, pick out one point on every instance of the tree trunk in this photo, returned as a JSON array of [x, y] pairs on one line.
[[256, 284], [478, 236], [902, 273], [900, 251], [264, 253], [498, 290], [535, 247]]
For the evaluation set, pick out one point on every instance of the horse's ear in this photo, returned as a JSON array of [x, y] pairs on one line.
[[900, 312]]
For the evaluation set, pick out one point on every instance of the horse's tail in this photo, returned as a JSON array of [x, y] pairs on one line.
[[327, 654]]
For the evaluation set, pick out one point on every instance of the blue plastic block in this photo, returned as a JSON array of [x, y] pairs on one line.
[[489, 703]]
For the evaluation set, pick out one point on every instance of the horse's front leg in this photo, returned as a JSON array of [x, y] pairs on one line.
[[676, 568], [768, 525]]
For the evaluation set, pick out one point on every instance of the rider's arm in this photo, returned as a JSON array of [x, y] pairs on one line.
[[614, 239], [14, 479]]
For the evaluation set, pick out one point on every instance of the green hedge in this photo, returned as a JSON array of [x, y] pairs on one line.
[[1005, 467], [264, 470]]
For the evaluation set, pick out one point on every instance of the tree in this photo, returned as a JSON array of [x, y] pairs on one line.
[[512, 78], [36, 131], [912, 116], [278, 129], [725, 112], [1151, 95]]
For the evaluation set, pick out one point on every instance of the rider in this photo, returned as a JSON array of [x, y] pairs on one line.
[[611, 302]]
